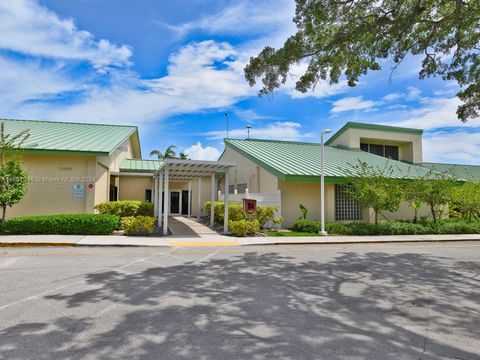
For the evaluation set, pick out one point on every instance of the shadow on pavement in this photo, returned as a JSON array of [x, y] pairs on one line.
[[257, 306]]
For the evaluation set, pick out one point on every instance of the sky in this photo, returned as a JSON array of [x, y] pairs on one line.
[[175, 68]]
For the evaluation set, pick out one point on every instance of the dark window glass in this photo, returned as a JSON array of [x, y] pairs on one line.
[[377, 149], [242, 188], [391, 152], [113, 193], [148, 195], [231, 189], [364, 147]]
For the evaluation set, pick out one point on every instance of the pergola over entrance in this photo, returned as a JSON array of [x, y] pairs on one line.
[[188, 170]]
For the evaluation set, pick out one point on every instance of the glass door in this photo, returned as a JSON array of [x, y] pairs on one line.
[[175, 202]]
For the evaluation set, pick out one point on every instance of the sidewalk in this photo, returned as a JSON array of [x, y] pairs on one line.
[[216, 240]]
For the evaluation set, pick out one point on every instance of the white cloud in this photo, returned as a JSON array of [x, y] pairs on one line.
[[250, 115], [28, 81], [200, 76], [352, 103], [281, 130], [247, 16], [452, 147], [435, 113], [413, 93], [29, 28], [392, 96], [198, 152]]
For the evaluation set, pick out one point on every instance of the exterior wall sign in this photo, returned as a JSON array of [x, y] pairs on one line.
[[78, 190]]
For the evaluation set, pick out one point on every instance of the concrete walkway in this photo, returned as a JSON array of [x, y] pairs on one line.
[[216, 240]]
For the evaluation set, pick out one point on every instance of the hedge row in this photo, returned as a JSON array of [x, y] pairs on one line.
[[126, 208], [391, 227], [75, 224]]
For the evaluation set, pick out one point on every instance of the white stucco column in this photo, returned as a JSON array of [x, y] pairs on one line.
[[189, 198], [159, 199], [166, 203], [212, 200], [225, 216], [199, 197], [154, 196]]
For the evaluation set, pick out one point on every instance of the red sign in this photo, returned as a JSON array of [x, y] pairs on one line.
[[250, 206], [90, 186]]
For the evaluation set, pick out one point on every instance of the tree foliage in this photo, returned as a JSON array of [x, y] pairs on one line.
[[374, 188], [466, 200], [435, 192], [169, 153], [412, 193], [13, 179], [351, 37]]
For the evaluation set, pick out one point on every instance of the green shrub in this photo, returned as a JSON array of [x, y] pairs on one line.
[[265, 214], [235, 211], [126, 208], [242, 228], [425, 226], [304, 225], [75, 224], [138, 225]]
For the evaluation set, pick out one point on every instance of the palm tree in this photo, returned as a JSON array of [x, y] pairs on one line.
[[168, 154], [183, 156]]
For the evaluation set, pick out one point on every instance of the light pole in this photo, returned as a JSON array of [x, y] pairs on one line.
[[322, 182]]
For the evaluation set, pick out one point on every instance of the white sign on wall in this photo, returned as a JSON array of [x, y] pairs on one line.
[[78, 190]]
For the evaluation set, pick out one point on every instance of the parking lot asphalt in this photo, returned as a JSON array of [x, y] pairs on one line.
[[352, 301]]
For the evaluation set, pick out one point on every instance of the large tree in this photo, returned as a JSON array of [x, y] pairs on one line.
[[13, 179], [374, 188], [351, 37]]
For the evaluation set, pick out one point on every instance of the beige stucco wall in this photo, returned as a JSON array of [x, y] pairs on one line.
[[113, 162], [307, 194], [51, 187], [410, 145], [246, 171], [133, 187]]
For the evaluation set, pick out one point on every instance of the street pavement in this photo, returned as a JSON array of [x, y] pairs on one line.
[[343, 301]]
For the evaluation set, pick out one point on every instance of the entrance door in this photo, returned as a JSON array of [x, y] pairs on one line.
[[184, 202], [175, 202]]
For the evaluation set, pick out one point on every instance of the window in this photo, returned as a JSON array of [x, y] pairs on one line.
[[148, 195], [242, 188], [231, 189], [391, 152], [377, 149], [346, 209], [388, 151]]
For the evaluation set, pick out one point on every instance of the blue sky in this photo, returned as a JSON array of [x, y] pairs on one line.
[[175, 68]]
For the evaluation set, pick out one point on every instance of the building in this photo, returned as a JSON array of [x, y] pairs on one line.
[[292, 169], [74, 166]]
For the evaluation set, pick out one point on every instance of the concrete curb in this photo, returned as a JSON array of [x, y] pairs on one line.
[[113, 241]]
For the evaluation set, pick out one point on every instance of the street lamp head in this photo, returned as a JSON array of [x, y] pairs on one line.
[[326, 131]]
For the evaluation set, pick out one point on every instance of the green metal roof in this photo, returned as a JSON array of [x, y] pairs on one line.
[[72, 138], [140, 166], [299, 161], [461, 172], [356, 125]]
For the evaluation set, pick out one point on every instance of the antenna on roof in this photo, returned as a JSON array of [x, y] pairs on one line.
[[226, 117], [248, 131]]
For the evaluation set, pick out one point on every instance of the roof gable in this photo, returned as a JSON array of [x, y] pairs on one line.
[[356, 125], [73, 138], [300, 161]]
